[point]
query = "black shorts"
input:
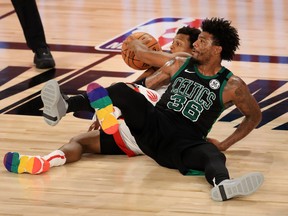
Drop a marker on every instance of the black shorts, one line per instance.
(108, 145)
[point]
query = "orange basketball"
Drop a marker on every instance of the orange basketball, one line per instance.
(129, 56)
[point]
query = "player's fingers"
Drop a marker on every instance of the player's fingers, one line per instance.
(146, 40)
(130, 38)
(94, 126)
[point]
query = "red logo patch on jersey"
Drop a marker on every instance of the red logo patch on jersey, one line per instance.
(152, 96)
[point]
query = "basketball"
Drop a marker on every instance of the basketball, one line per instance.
(129, 56)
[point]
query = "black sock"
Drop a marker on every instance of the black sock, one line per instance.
(79, 103)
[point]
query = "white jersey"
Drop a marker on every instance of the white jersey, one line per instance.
(124, 138)
(127, 138)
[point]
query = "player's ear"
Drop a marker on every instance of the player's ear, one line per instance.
(217, 50)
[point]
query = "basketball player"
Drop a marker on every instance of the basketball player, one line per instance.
(94, 141)
(174, 132)
(32, 27)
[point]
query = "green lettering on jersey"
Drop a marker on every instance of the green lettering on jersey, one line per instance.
(190, 98)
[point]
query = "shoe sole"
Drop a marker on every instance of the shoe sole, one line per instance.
(25, 164)
(100, 101)
(54, 106)
(242, 186)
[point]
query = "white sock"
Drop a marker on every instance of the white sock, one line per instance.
(55, 158)
(117, 112)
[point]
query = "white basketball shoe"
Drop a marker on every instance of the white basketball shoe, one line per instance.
(55, 106)
(242, 186)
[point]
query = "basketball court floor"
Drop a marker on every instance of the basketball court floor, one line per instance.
(85, 38)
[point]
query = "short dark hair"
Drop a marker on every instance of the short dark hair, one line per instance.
(224, 35)
(191, 31)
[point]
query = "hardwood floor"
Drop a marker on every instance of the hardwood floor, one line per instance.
(118, 185)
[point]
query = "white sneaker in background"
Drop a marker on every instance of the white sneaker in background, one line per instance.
(55, 106)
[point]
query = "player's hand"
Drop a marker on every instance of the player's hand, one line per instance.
(94, 126)
(216, 143)
(133, 43)
(145, 39)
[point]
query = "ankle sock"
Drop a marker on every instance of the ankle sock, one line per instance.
(79, 103)
(55, 158)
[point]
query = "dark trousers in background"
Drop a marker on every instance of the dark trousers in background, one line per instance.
(30, 20)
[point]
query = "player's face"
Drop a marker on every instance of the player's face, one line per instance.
(181, 43)
(203, 47)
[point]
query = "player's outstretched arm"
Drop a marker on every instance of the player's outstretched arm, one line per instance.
(151, 57)
(163, 75)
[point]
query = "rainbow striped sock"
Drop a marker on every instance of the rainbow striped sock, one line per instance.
(16, 163)
(102, 103)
